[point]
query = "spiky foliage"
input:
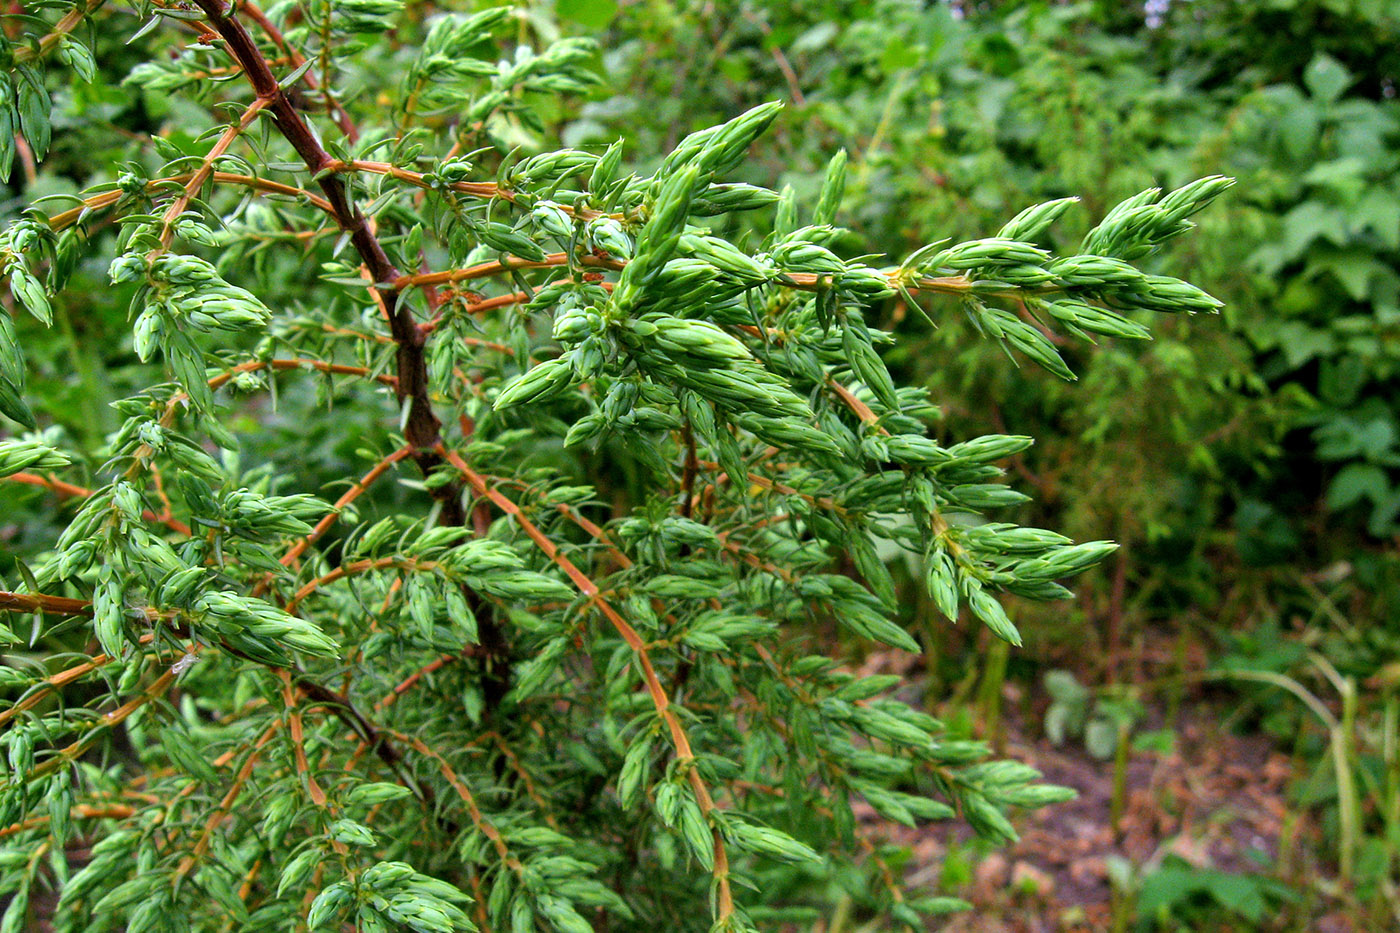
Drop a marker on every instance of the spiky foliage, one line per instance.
(575, 675)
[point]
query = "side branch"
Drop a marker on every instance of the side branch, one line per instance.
(57, 605)
(205, 170)
(70, 21)
(486, 270)
(65, 219)
(59, 680)
(333, 107)
(477, 189)
(82, 492)
(801, 281)
(350, 495)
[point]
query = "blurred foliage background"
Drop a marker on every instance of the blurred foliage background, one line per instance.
(1249, 464)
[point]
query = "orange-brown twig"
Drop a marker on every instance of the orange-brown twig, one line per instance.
(318, 796)
(765, 482)
(206, 168)
(225, 806)
(61, 679)
(107, 720)
(283, 365)
(476, 189)
(79, 812)
(486, 270)
(296, 59)
(66, 219)
(483, 825)
(349, 496)
(350, 569)
(437, 664)
(859, 408)
(81, 492)
(660, 699)
(32, 602)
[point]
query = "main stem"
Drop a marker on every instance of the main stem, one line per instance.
(422, 428)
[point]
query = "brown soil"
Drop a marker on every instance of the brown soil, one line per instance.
(1216, 800)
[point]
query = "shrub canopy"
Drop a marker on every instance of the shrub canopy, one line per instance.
(572, 670)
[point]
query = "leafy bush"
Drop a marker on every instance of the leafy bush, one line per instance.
(574, 670)
(953, 123)
(1334, 249)
(1267, 456)
(1269, 430)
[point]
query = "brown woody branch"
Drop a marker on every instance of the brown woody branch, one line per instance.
(422, 428)
(333, 107)
(370, 734)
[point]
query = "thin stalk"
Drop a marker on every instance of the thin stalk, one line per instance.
(1390, 738)
(1119, 799)
(989, 692)
(69, 21)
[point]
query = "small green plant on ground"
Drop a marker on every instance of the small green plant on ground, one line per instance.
(569, 673)
(1177, 895)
